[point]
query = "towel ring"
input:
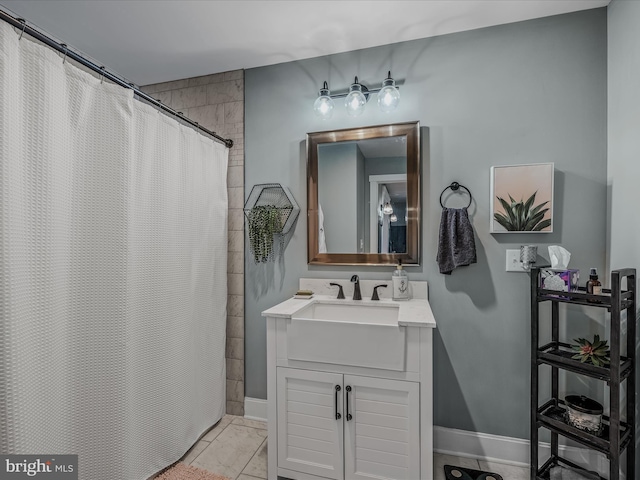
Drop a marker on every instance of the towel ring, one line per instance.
(454, 187)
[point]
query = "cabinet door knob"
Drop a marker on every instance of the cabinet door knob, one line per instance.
(337, 389)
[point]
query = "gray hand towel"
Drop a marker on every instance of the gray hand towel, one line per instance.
(456, 242)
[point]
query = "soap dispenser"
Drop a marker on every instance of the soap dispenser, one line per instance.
(400, 283)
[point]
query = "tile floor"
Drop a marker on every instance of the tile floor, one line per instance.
(237, 448)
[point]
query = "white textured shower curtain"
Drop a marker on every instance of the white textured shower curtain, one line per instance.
(113, 241)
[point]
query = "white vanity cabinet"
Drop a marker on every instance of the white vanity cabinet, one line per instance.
(347, 421)
(347, 426)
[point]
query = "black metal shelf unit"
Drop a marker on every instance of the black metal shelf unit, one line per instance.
(617, 436)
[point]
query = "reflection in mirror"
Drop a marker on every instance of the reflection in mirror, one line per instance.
(388, 213)
(363, 195)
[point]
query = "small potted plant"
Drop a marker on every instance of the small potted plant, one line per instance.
(596, 352)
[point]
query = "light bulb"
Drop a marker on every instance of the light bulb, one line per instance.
(388, 209)
(355, 100)
(323, 106)
(388, 96)
(393, 218)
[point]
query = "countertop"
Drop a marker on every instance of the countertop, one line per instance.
(412, 313)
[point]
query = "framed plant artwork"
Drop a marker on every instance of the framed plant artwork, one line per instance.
(522, 198)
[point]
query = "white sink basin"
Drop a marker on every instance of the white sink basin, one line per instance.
(355, 334)
(383, 314)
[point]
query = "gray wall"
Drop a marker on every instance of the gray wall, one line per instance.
(338, 175)
(526, 92)
(624, 141)
(360, 202)
(624, 133)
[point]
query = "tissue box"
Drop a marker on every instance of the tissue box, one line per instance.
(563, 280)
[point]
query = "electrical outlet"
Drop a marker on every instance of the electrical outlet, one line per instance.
(513, 261)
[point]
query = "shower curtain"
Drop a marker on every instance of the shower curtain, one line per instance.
(113, 241)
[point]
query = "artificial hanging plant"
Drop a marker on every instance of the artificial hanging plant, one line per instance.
(264, 221)
(522, 216)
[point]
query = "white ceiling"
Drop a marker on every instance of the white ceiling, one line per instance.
(150, 41)
(383, 147)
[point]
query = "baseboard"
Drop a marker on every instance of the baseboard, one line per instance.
(481, 446)
(255, 409)
(509, 450)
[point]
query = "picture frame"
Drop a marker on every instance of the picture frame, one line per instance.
(522, 198)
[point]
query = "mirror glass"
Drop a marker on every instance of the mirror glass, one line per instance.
(363, 195)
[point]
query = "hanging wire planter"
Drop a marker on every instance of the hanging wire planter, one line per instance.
(271, 212)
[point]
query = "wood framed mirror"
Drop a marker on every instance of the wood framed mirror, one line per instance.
(363, 195)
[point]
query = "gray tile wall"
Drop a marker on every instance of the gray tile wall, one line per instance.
(217, 103)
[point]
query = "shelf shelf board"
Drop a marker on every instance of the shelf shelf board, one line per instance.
(558, 354)
(581, 297)
(552, 416)
(577, 298)
(544, 473)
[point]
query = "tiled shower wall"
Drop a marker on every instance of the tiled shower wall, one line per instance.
(217, 102)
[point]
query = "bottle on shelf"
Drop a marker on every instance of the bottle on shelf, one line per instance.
(594, 286)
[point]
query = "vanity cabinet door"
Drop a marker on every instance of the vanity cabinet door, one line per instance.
(310, 437)
(382, 436)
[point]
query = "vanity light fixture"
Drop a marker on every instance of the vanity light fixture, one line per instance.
(393, 218)
(388, 209)
(323, 106)
(357, 97)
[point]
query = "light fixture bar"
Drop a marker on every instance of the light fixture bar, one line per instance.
(366, 92)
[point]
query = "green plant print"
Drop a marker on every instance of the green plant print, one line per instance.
(522, 216)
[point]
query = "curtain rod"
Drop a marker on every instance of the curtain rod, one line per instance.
(62, 48)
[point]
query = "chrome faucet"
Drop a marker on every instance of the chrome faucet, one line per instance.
(356, 288)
